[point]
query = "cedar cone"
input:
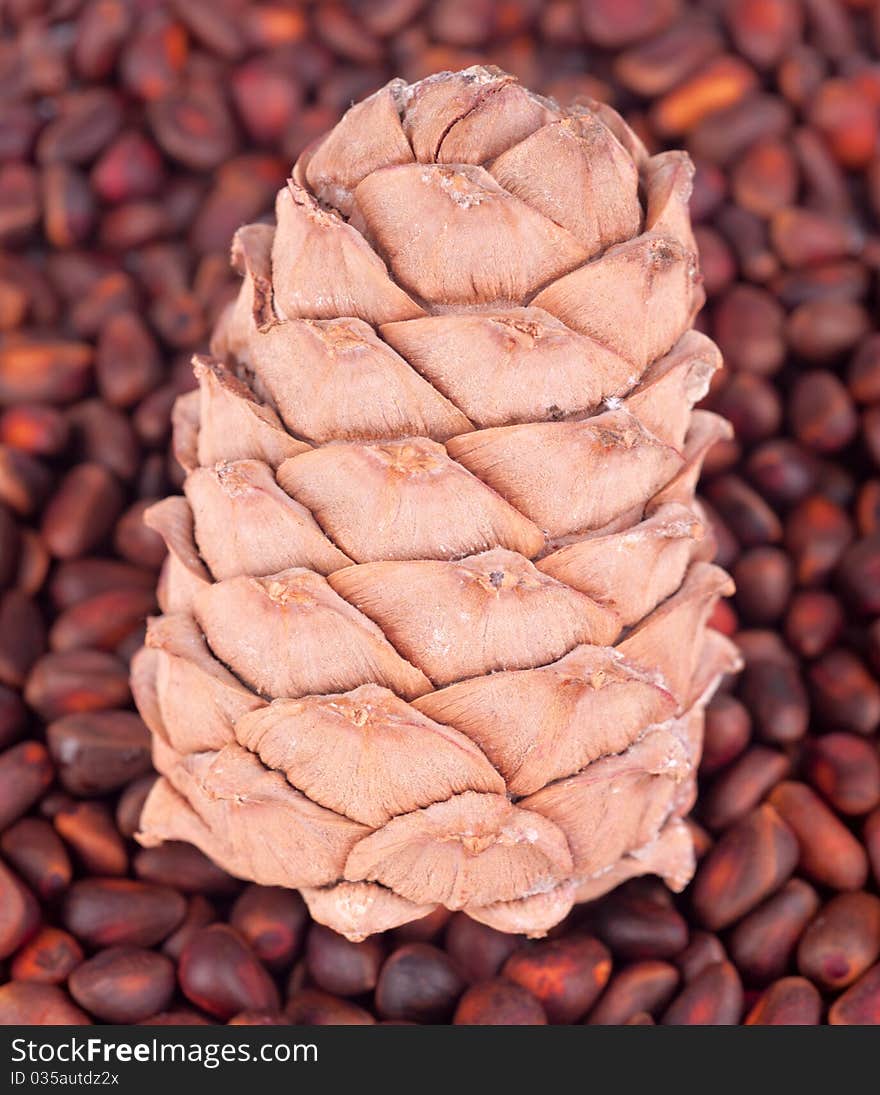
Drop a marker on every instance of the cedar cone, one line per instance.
(436, 598)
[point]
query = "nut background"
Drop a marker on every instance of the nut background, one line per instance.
(134, 138)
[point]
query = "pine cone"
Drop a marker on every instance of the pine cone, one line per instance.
(435, 601)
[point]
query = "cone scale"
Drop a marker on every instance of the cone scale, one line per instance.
(435, 606)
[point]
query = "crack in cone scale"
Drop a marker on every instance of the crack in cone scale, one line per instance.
(435, 604)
